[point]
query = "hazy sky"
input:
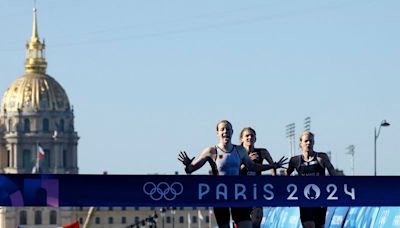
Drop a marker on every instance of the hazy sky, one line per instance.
(150, 78)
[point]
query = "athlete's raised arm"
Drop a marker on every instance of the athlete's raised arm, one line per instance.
(193, 164)
(267, 156)
(258, 167)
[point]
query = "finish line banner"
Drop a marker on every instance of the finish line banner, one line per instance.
(197, 190)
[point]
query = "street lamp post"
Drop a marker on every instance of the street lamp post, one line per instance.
(162, 213)
(384, 123)
(290, 131)
(351, 153)
(173, 212)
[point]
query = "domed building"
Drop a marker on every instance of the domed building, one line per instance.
(36, 117)
(35, 113)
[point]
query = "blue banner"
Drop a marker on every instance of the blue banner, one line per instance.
(196, 190)
(338, 217)
(388, 217)
(329, 215)
(289, 217)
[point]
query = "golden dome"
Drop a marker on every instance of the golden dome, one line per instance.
(35, 90)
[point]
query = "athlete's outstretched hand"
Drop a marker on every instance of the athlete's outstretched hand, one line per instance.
(281, 162)
(184, 158)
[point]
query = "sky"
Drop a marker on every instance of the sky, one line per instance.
(148, 79)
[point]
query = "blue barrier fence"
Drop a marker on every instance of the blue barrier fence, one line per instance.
(337, 217)
(198, 190)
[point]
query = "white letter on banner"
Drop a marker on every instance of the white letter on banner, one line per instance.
(266, 190)
(351, 193)
(239, 191)
(223, 192)
(203, 189)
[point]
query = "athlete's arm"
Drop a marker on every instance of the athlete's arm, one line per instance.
(252, 166)
(291, 166)
(327, 164)
(246, 160)
(193, 164)
(267, 156)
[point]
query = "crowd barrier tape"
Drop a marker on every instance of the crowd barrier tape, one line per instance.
(346, 217)
(197, 190)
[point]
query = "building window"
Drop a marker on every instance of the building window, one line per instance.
(123, 220)
(9, 158)
(207, 219)
(27, 160)
(123, 208)
(10, 127)
(53, 217)
(65, 159)
(27, 125)
(62, 125)
(168, 219)
(81, 220)
(38, 217)
(110, 220)
(137, 219)
(22, 218)
(181, 219)
(46, 125)
(110, 208)
(97, 220)
(194, 219)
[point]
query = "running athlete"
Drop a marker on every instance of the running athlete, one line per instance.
(311, 163)
(226, 159)
(258, 155)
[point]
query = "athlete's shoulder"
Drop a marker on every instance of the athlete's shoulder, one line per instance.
(210, 150)
(240, 150)
(322, 155)
(296, 157)
(263, 152)
(295, 160)
(239, 147)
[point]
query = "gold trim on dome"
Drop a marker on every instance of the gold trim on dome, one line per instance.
(35, 92)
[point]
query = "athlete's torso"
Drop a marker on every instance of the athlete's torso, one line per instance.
(228, 163)
(311, 167)
(245, 171)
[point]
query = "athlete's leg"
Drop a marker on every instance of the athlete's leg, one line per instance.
(321, 217)
(222, 216)
(256, 216)
(307, 216)
(308, 224)
(241, 216)
(245, 224)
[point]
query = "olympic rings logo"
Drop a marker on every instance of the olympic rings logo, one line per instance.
(163, 190)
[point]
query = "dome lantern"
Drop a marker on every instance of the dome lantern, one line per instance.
(35, 51)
